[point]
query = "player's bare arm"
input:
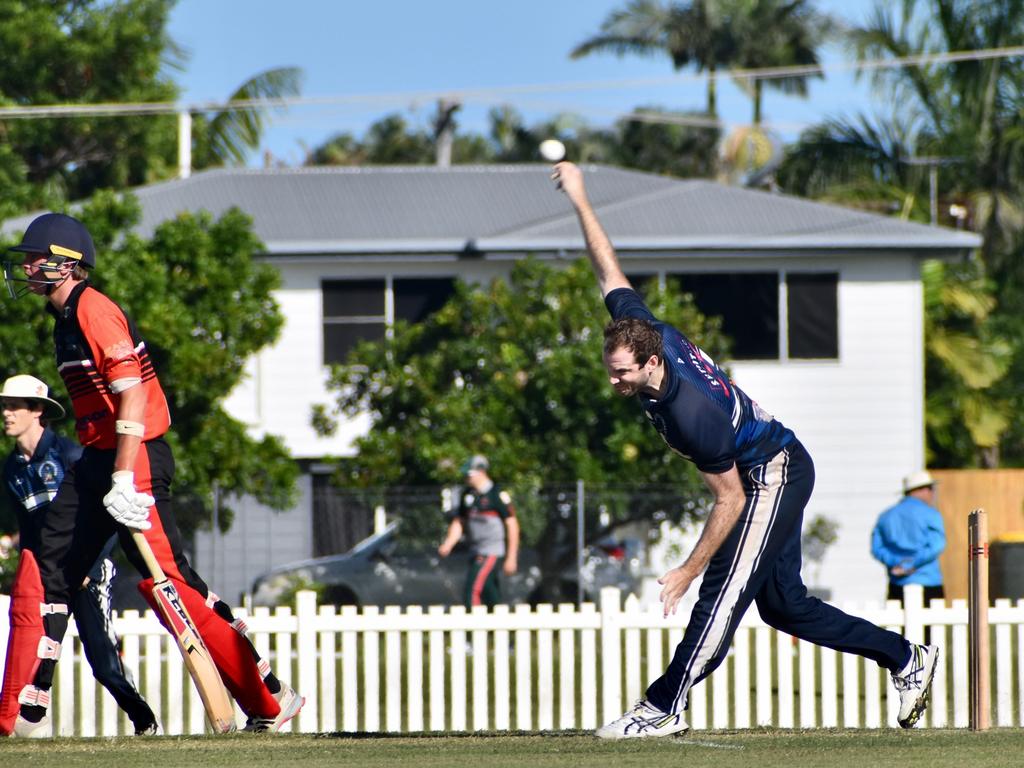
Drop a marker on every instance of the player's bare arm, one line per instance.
(569, 179)
(512, 553)
(451, 538)
(729, 501)
(131, 409)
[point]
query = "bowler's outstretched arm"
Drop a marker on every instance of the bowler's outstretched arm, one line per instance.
(609, 274)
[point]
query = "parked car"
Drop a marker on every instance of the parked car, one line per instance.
(384, 569)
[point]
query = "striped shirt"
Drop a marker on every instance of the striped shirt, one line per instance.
(97, 345)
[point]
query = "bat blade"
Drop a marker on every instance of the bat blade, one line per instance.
(220, 709)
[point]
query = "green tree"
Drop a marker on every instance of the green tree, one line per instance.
(688, 33)
(105, 52)
(204, 307)
(513, 369)
(710, 34)
(226, 137)
(663, 145)
(87, 51)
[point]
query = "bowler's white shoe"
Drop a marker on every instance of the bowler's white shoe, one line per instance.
(26, 729)
(914, 683)
(643, 721)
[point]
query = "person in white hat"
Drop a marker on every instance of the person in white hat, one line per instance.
(909, 537)
(32, 474)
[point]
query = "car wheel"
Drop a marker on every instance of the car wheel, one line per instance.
(340, 596)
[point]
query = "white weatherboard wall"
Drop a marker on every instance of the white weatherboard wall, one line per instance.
(259, 539)
(861, 416)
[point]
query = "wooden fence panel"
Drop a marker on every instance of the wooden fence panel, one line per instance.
(1000, 492)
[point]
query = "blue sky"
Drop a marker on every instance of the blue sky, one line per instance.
(395, 54)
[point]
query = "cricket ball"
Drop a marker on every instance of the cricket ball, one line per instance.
(552, 150)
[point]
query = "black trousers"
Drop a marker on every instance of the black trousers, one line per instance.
(91, 607)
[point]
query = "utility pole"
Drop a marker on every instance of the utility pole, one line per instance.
(184, 144)
(444, 131)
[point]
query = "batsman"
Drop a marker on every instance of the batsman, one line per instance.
(121, 484)
(761, 479)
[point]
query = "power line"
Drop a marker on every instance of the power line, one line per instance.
(492, 94)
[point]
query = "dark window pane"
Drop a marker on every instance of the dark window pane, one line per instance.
(339, 338)
(415, 299)
(747, 302)
(813, 315)
(350, 298)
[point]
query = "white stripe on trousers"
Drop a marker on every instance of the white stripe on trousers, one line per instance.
(761, 515)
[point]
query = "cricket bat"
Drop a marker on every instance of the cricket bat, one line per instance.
(220, 709)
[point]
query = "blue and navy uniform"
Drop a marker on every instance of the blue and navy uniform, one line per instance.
(32, 484)
(912, 534)
(703, 416)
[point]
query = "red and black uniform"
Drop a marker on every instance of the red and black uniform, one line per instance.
(97, 346)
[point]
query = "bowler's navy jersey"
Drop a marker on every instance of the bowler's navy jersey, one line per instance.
(702, 416)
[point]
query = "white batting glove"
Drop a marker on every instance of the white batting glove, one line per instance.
(125, 504)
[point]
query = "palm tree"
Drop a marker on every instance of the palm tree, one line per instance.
(688, 33)
(775, 33)
(710, 34)
(225, 137)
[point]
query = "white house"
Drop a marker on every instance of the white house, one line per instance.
(824, 303)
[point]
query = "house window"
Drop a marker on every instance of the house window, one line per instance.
(417, 298)
(364, 309)
(353, 312)
(812, 309)
(747, 302)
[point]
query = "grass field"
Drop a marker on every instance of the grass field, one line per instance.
(721, 749)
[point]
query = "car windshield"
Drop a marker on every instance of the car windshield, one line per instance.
(375, 540)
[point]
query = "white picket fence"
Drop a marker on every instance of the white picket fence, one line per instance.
(545, 668)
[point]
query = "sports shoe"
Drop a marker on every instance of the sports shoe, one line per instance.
(290, 703)
(914, 683)
(643, 721)
(153, 729)
(26, 729)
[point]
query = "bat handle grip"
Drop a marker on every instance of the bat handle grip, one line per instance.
(148, 557)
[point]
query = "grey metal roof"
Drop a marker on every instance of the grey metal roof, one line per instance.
(515, 208)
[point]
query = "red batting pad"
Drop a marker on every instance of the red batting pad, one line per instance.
(231, 651)
(23, 643)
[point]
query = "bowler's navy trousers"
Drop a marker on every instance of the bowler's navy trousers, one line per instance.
(760, 562)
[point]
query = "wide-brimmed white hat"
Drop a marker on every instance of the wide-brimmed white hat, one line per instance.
(919, 479)
(28, 387)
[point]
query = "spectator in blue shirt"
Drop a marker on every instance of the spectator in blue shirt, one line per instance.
(909, 537)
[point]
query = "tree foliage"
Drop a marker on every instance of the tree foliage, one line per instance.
(87, 51)
(513, 370)
(711, 34)
(106, 52)
(655, 139)
(204, 306)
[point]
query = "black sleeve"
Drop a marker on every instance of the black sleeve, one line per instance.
(625, 302)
